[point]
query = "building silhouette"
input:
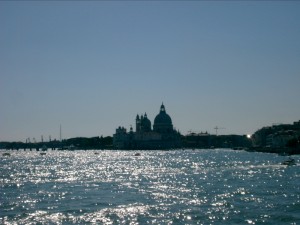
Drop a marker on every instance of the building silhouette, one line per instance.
(162, 136)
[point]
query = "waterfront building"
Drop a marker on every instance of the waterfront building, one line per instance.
(281, 138)
(162, 136)
(277, 135)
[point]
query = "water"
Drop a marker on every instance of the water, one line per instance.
(158, 187)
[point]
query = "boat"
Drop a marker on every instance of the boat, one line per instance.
(6, 154)
(289, 162)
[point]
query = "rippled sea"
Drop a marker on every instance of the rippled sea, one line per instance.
(158, 187)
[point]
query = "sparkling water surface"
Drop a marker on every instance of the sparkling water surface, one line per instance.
(159, 187)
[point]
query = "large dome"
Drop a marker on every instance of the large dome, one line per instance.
(163, 118)
(163, 121)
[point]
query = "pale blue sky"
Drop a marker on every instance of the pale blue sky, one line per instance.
(92, 66)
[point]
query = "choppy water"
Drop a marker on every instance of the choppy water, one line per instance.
(158, 187)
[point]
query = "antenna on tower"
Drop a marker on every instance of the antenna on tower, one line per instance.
(60, 132)
(218, 128)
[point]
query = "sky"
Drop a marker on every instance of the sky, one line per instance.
(91, 66)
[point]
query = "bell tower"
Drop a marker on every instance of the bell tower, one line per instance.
(137, 123)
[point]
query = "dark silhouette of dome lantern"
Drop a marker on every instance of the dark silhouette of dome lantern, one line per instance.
(163, 122)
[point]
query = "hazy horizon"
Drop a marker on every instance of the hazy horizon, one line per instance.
(93, 66)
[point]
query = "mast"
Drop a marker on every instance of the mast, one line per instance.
(60, 132)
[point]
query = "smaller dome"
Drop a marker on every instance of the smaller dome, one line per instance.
(145, 123)
(146, 120)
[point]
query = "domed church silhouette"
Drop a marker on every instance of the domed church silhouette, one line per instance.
(162, 136)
